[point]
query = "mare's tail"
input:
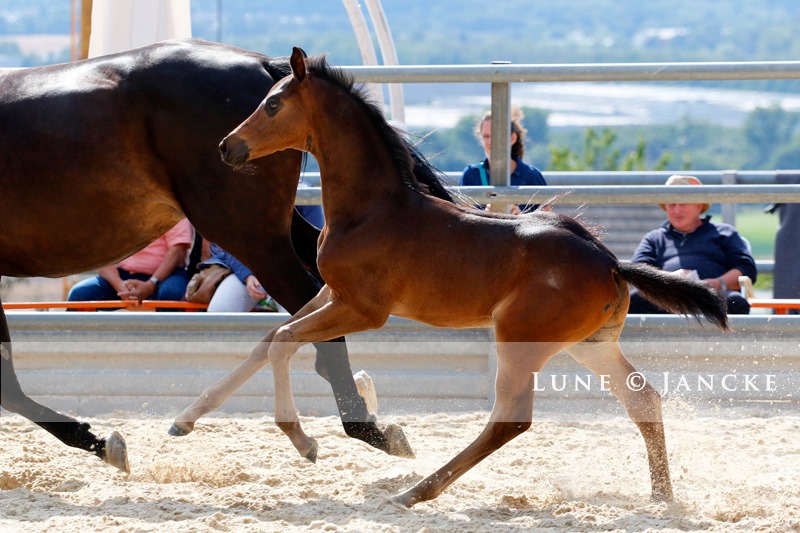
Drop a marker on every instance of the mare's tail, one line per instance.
(676, 294)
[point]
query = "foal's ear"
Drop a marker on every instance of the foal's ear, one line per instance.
(298, 63)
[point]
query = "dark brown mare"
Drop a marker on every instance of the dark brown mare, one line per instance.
(100, 157)
(543, 281)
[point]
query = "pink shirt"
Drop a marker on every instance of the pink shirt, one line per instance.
(147, 261)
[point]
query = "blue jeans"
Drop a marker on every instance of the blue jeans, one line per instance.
(96, 288)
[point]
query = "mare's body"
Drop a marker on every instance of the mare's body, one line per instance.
(542, 280)
(100, 157)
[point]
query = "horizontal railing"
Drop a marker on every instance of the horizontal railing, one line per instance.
(596, 72)
(615, 194)
(502, 74)
(638, 177)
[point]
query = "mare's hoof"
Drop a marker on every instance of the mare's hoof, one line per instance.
(366, 389)
(116, 452)
(311, 454)
(398, 443)
(181, 429)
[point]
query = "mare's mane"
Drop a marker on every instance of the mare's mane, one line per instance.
(414, 168)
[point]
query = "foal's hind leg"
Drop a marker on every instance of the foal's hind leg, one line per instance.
(511, 416)
(111, 449)
(602, 355)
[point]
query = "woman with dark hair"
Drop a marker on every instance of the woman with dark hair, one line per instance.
(521, 173)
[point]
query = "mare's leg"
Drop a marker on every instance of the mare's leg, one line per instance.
(603, 356)
(511, 416)
(333, 364)
(111, 449)
(333, 318)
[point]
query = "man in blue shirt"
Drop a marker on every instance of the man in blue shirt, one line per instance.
(693, 245)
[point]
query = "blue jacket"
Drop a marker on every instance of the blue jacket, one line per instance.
(312, 213)
(524, 174)
(221, 257)
(712, 249)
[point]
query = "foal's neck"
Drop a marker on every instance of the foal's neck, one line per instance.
(356, 164)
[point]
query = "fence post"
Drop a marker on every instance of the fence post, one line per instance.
(729, 177)
(500, 153)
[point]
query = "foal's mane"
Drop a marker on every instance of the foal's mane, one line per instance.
(415, 170)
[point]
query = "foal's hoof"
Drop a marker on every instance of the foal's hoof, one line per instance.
(406, 499)
(398, 443)
(181, 429)
(311, 454)
(662, 496)
(116, 452)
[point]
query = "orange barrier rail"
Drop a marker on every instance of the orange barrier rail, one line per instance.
(130, 305)
(780, 305)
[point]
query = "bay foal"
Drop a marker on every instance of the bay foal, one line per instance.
(542, 280)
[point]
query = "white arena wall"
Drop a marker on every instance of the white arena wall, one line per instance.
(90, 364)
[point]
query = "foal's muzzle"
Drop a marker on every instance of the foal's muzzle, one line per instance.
(234, 151)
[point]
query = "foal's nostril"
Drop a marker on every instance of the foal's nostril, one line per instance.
(223, 149)
(234, 151)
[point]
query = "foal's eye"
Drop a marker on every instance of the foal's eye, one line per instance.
(271, 106)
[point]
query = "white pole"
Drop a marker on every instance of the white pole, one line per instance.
(368, 55)
(389, 56)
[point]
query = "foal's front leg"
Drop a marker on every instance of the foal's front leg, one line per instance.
(334, 318)
(215, 395)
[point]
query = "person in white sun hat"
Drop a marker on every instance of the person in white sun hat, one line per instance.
(690, 244)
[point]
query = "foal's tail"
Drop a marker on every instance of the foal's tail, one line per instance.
(677, 294)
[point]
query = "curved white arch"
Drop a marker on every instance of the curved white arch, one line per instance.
(368, 55)
(389, 56)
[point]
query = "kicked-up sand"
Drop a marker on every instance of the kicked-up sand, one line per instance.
(732, 471)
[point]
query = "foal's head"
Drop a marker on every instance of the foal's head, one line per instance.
(284, 119)
(275, 124)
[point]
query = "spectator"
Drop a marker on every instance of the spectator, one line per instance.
(521, 173)
(787, 251)
(693, 245)
(241, 291)
(155, 273)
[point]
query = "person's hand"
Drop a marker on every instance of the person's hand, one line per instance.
(133, 289)
(254, 288)
(689, 273)
(515, 210)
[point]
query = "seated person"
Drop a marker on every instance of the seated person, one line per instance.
(693, 245)
(155, 273)
(240, 291)
(521, 172)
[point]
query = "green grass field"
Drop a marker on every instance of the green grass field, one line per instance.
(759, 228)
